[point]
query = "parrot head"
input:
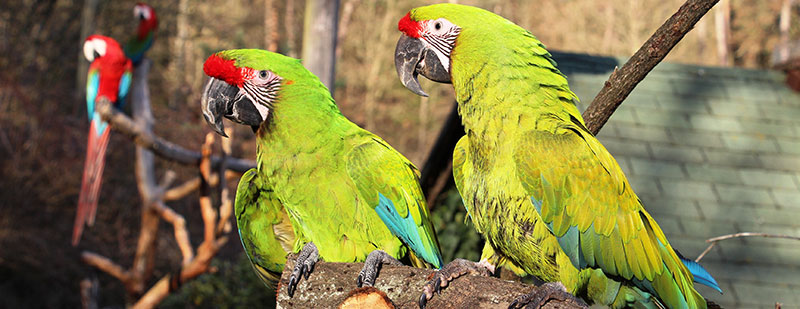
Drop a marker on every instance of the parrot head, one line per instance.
(245, 85)
(148, 21)
(107, 57)
(433, 34)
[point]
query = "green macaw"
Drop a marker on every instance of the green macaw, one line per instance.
(542, 190)
(349, 195)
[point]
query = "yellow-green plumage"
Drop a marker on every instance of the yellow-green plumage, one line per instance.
(264, 227)
(340, 185)
(542, 189)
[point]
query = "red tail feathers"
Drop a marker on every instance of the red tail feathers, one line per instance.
(92, 178)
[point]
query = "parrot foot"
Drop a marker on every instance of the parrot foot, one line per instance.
(372, 265)
(303, 266)
(545, 293)
(451, 271)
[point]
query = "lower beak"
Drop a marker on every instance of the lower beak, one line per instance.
(411, 58)
(217, 96)
(222, 100)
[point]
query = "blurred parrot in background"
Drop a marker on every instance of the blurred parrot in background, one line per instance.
(350, 196)
(542, 190)
(109, 79)
(145, 33)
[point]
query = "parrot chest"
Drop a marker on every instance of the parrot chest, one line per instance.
(503, 213)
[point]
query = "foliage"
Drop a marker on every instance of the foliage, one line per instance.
(457, 236)
(234, 285)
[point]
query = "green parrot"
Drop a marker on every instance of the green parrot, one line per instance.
(349, 196)
(547, 196)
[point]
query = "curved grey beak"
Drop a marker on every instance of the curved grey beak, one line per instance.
(221, 100)
(411, 58)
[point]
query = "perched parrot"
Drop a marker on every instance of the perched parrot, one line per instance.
(348, 194)
(547, 196)
(145, 34)
(264, 227)
(109, 79)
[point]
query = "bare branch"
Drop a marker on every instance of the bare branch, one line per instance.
(622, 81)
(713, 241)
(158, 145)
(178, 192)
(181, 235)
(103, 263)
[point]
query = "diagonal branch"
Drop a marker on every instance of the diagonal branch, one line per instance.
(621, 82)
(158, 145)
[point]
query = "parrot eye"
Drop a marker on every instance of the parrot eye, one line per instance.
(262, 74)
(438, 25)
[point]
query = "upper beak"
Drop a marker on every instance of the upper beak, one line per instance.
(412, 57)
(221, 99)
(217, 95)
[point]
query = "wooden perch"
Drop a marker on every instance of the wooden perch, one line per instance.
(621, 82)
(158, 145)
(331, 283)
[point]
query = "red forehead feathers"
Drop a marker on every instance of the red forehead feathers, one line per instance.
(409, 27)
(220, 68)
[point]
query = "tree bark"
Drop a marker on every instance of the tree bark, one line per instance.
(330, 283)
(622, 81)
(319, 39)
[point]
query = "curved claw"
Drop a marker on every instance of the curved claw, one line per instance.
(304, 265)
(423, 300)
(451, 271)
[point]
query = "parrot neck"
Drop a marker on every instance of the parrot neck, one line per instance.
(302, 125)
(506, 97)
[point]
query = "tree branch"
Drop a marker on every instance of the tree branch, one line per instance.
(713, 241)
(103, 263)
(330, 283)
(158, 145)
(621, 82)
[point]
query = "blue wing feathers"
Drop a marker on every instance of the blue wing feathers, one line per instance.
(700, 274)
(406, 229)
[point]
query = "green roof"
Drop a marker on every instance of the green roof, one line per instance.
(712, 151)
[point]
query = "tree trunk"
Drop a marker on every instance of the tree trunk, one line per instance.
(319, 39)
(723, 28)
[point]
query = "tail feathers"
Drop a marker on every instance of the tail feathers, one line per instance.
(92, 178)
(700, 274)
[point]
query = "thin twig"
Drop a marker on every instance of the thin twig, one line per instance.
(105, 264)
(713, 241)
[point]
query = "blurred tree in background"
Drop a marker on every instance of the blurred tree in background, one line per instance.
(42, 123)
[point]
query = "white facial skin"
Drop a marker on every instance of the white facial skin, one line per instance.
(440, 35)
(94, 45)
(141, 10)
(262, 90)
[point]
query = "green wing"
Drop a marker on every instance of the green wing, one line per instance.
(582, 194)
(264, 227)
(389, 183)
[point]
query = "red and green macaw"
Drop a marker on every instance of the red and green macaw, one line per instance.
(145, 34)
(348, 195)
(109, 79)
(550, 200)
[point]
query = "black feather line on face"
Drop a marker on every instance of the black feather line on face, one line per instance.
(263, 92)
